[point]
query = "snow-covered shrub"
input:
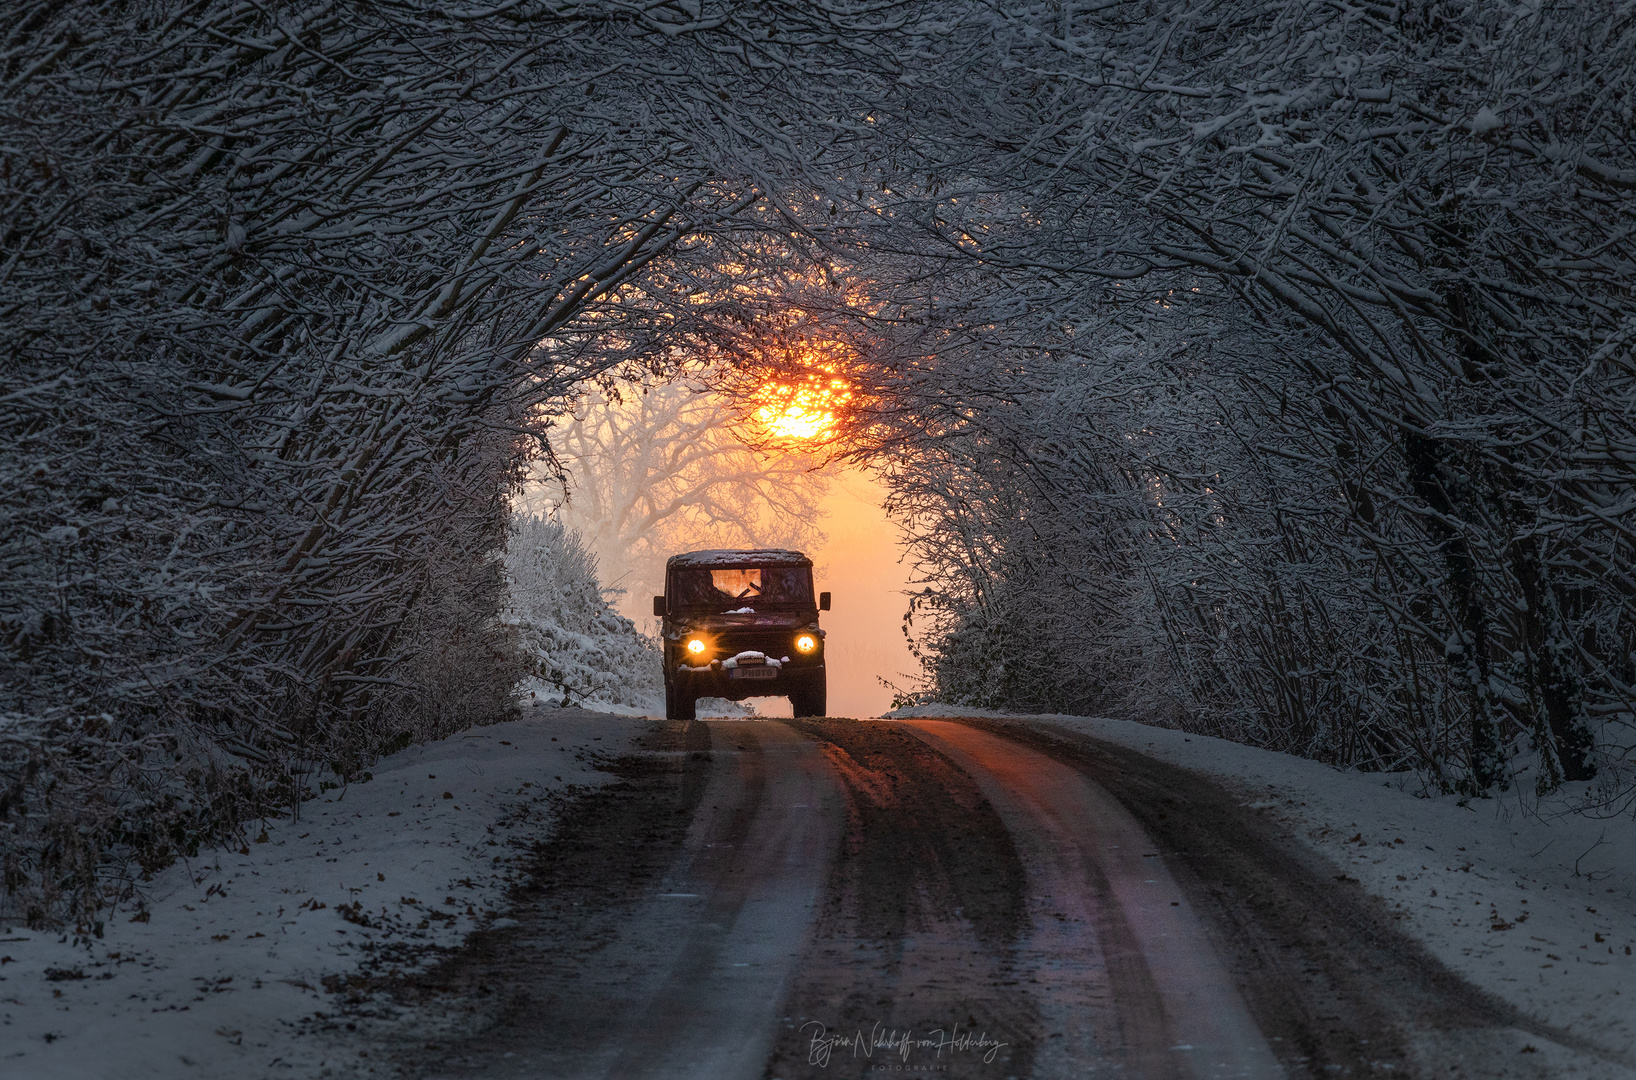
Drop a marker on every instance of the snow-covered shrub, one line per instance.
(579, 650)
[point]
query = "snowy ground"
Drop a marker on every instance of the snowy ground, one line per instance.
(226, 976)
(1539, 908)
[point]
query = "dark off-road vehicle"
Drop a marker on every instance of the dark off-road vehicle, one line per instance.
(741, 624)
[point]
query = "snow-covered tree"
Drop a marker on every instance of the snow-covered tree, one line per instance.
(1419, 217)
(1272, 355)
(281, 292)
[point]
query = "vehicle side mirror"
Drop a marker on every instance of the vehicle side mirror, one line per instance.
(823, 601)
(659, 606)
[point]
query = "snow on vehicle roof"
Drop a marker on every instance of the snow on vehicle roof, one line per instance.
(721, 557)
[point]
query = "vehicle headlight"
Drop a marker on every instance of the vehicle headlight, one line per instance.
(806, 643)
(695, 646)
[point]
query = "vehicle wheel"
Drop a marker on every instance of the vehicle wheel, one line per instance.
(678, 706)
(810, 702)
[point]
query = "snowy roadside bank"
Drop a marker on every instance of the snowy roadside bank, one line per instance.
(1539, 909)
(227, 974)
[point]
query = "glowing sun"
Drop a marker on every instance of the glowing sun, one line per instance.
(807, 410)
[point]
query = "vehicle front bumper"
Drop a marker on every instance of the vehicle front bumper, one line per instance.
(718, 680)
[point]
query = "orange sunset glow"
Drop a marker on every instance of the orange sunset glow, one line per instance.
(807, 410)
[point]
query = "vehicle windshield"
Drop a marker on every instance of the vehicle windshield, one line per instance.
(732, 588)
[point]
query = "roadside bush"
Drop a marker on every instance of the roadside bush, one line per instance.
(579, 650)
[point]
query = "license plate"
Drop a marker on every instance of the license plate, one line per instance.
(757, 672)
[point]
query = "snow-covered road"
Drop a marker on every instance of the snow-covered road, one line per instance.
(1121, 958)
(1521, 899)
(707, 893)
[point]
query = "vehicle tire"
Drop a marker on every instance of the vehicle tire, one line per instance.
(813, 701)
(678, 706)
